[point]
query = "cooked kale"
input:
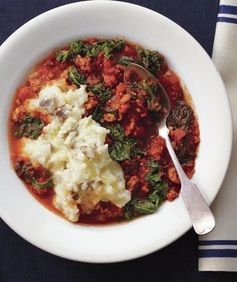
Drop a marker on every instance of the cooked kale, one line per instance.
(153, 176)
(91, 50)
(101, 91)
(105, 46)
(75, 77)
(97, 114)
(155, 180)
(76, 48)
(42, 185)
(63, 55)
(152, 98)
(156, 197)
(30, 127)
(151, 60)
(138, 207)
(122, 150)
(27, 173)
(104, 94)
(24, 170)
(126, 60)
(117, 132)
(123, 147)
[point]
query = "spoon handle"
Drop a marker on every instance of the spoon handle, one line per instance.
(200, 214)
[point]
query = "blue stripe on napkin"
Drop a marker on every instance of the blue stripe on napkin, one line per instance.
(228, 252)
(217, 242)
(228, 9)
(218, 253)
(227, 20)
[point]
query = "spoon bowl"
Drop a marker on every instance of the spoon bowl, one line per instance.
(144, 75)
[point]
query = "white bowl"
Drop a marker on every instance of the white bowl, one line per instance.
(118, 242)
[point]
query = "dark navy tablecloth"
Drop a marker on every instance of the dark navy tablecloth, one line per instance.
(20, 261)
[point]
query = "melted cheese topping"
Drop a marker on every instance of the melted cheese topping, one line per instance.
(73, 149)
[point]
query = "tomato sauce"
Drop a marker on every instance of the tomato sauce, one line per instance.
(127, 105)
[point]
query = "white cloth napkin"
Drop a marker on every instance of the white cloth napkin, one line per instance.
(218, 250)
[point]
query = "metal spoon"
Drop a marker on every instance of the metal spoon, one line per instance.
(200, 214)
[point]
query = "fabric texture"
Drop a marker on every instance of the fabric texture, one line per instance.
(218, 249)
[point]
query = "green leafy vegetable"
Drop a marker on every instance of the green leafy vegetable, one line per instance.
(42, 185)
(76, 48)
(117, 132)
(152, 99)
(63, 55)
(157, 196)
(110, 46)
(154, 179)
(30, 127)
(138, 207)
(122, 150)
(26, 172)
(126, 60)
(97, 114)
(128, 211)
(105, 46)
(154, 165)
(104, 94)
(123, 147)
(76, 77)
(91, 50)
(101, 91)
(153, 176)
(151, 60)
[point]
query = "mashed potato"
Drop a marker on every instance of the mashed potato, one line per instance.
(73, 149)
